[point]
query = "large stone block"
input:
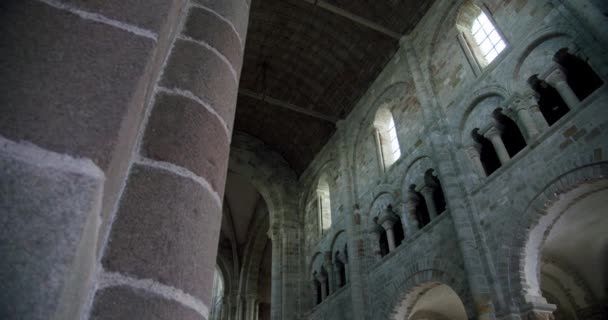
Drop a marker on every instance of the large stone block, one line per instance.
(199, 70)
(166, 230)
(185, 133)
(50, 206)
(146, 14)
(235, 11)
(124, 303)
(205, 26)
(67, 82)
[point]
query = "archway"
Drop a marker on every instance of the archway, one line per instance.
(567, 252)
(431, 300)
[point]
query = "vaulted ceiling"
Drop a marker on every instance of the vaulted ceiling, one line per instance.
(307, 62)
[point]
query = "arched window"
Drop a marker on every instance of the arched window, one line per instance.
(579, 75)
(510, 134)
(388, 141)
(550, 103)
(487, 153)
(324, 203)
(479, 35)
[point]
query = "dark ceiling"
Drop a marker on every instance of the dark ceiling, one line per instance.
(307, 64)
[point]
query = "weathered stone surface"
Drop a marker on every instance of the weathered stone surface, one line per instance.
(205, 26)
(125, 303)
(67, 82)
(165, 230)
(46, 201)
(183, 132)
(195, 68)
(146, 14)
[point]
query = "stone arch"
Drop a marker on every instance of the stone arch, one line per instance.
(540, 62)
(523, 284)
(474, 102)
(417, 277)
(268, 172)
(415, 172)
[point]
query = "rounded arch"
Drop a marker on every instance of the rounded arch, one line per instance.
(535, 40)
(415, 173)
(476, 100)
(338, 242)
(419, 276)
(268, 172)
(537, 220)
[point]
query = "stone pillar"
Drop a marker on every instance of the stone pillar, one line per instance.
(276, 278)
(376, 233)
(88, 107)
(493, 134)
(356, 235)
(314, 296)
(473, 153)
(522, 108)
(251, 306)
(290, 267)
(390, 236)
(73, 92)
(408, 213)
(557, 79)
(427, 193)
(329, 267)
(324, 290)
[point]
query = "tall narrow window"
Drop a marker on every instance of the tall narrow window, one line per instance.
(481, 41)
(324, 200)
(388, 141)
(489, 42)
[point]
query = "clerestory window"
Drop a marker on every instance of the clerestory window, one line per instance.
(489, 42)
(387, 139)
(479, 38)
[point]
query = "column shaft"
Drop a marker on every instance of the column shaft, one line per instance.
(427, 194)
(494, 135)
(558, 80)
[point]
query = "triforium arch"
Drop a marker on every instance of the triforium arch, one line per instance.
(419, 277)
(542, 214)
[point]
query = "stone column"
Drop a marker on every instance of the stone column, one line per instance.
(290, 267)
(557, 79)
(427, 193)
(522, 108)
(276, 278)
(251, 304)
(473, 153)
(165, 234)
(390, 236)
(329, 267)
(356, 235)
(408, 213)
(376, 233)
(73, 94)
(493, 134)
(324, 290)
(314, 292)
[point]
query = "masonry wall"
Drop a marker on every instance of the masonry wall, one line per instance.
(437, 96)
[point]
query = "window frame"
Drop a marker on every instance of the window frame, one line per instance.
(388, 146)
(469, 45)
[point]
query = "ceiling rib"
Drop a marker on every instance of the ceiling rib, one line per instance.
(355, 18)
(287, 105)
